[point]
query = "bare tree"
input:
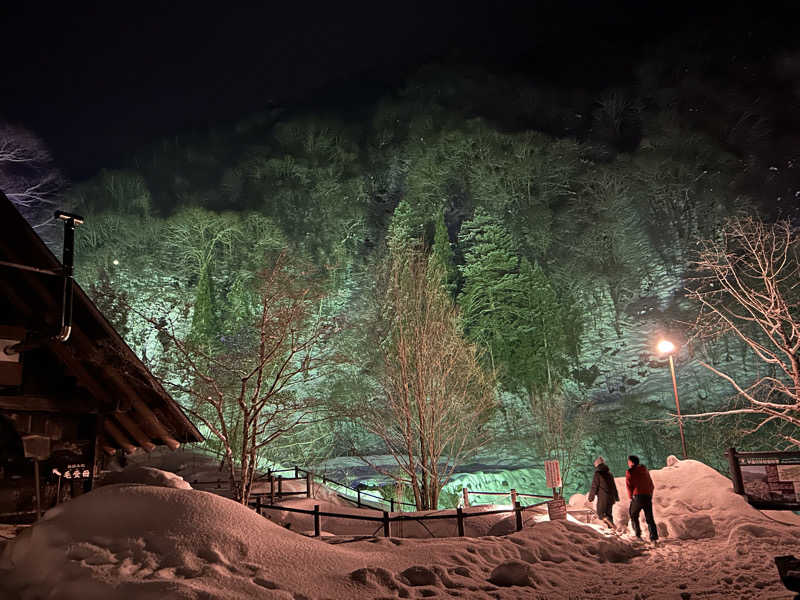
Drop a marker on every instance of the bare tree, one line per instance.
(434, 396)
(250, 392)
(560, 426)
(27, 175)
(747, 285)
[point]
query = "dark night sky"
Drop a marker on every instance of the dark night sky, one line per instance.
(99, 81)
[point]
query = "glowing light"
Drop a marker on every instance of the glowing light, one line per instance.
(115, 261)
(666, 347)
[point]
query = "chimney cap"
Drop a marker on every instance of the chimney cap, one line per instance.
(65, 216)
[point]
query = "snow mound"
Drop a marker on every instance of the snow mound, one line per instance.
(146, 476)
(146, 542)
(691, 501)
(512, 572)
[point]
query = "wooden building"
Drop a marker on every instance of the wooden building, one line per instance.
(72, 393)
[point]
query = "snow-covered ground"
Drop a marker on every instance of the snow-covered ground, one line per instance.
(147, 541)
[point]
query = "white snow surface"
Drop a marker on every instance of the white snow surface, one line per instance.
(155, 542)
(145, 476)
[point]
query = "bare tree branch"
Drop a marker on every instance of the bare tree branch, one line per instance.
(747, 285)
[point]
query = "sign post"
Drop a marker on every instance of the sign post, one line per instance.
(557, 507)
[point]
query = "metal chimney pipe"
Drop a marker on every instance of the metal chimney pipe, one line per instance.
(70, 223)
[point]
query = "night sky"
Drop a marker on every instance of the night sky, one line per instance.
(98, 82)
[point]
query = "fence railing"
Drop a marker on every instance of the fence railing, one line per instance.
(513, 494)
(362, 499)
(386, 519)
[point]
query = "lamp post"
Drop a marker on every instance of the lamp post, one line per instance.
(668, 348)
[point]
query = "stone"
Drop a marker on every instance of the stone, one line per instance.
(512, 572)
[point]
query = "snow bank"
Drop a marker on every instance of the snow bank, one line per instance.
(132, 542)
(691, 501)
(143, 542)
(146, 476)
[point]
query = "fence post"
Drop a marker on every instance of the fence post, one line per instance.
(258, 504)
(391, 504)
(358, 498)
(308, 484)
(296, 473)
(513, 497)
(518, 511)
(271, 489)
(466, 496)
(460, 516)
(736, 471)
(280, 486)
(387, 531)
(316, 520)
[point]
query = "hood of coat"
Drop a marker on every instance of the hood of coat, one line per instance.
(601, 468)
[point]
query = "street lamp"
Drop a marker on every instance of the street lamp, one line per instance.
(668, 348)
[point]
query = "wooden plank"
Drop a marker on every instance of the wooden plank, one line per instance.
(54, 404)
(130, 427)
(118, 436)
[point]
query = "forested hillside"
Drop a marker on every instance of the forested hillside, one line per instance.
(563, 222)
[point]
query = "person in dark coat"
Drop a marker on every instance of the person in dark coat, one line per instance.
(604, 487)
(640, 491)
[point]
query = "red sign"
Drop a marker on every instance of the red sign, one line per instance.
(552, 473)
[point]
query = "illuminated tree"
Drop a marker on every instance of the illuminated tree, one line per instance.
(442, 253)
(746, 285)
(434, 397)
(260, 386)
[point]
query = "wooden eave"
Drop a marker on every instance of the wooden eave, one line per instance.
(138, 412)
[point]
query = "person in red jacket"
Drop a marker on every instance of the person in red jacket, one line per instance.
(640, 491)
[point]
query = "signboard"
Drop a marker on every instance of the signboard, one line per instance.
(36, 446)
(769, 480)
(552, 473)
(557, 509)
(10, 365)
(77, 471)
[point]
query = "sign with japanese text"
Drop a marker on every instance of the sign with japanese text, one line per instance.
(552, 473)
(77, 471)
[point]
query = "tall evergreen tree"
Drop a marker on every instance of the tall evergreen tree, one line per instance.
(205, 325)
(511, 307)
(490, 273)
(443, 256)
(405, 228)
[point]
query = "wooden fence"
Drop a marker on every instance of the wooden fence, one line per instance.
(362, 499)
(513, 494)
(276, 481)
(265, 500)
(386, 519)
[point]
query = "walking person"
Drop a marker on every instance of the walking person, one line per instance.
(640, 491)
(604, 487)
